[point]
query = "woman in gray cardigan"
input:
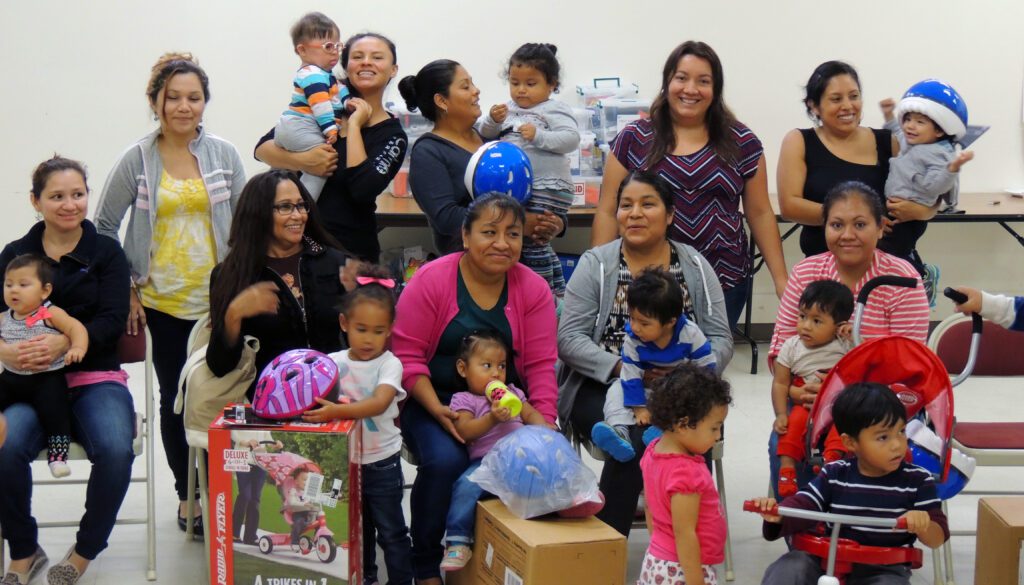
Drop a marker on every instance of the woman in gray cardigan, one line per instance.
(594, 316)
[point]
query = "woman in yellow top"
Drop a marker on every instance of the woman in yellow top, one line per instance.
(179, 185)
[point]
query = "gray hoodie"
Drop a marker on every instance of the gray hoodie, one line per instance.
(588, 303)
(133, 182)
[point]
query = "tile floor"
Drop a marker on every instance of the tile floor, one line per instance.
(746, 473)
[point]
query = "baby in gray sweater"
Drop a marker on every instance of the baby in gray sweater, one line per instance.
(928, 121)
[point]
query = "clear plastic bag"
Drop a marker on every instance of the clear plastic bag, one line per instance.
(535, 471)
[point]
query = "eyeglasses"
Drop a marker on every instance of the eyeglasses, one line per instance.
(288, 208)
(330, 46)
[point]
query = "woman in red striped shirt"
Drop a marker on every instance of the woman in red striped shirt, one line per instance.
(853, 226)
(852, 212)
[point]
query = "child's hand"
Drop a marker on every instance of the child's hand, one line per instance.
(781, 423)
(502, 413)
(331, 138)
(529, 132)
(74, 355)
(960, 160)
(764, 504)
(499, 112)
(888, 106)
(918, 521)
(327, 411)
(844, 331)
(973, 302)
(643, 416)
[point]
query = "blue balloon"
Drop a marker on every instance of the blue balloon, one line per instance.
(500, 167)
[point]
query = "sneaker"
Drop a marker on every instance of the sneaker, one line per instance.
(455, 557)
(613, 441)
(931, 282)
(59, 469)
(650, 434)
(787, 482)
(39, 562)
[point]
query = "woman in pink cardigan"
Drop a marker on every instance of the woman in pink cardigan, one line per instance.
(484, 287)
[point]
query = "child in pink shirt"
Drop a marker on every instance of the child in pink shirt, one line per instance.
(683, 513)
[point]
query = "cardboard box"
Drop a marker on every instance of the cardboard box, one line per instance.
(1000, 532)
(549, 551)
(297, 465)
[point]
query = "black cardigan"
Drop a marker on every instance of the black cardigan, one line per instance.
(290, 328)
(92, 284)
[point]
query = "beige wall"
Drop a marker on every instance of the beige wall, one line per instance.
(75, 74)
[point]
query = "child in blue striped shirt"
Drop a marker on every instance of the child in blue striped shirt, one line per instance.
(317, 97)
(658, 335)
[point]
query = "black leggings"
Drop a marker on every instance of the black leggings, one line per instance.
(170, 336)
(46, 393)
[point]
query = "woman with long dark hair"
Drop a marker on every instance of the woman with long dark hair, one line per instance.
(281, 281)
(369, 151)
(713, 162)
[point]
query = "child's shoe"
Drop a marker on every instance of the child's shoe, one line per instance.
(455, 557)
(650, 434)
(787, 482)
(59, 469)
(613, 441)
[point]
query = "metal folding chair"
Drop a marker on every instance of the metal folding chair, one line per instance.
(130, 349)
(999, 444)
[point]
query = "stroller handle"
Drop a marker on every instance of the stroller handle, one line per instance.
(977, 324)
(865, 292)
(897, 523)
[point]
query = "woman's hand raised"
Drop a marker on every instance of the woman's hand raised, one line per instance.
(256, 299)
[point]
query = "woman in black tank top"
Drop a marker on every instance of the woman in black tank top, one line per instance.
(808, 169)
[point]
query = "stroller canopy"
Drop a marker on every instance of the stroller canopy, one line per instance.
(907, 366)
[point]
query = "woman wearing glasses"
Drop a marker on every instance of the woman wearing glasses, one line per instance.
(369, 150)
(179, 185)
(280, 281)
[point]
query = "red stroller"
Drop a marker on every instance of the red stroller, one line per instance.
(921, 382)
(317, 536)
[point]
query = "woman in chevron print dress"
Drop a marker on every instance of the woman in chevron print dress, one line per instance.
(713, 164)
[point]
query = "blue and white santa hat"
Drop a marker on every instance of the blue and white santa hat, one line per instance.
(940, 102)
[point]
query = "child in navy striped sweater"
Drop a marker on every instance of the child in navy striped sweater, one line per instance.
(658, 335)
(877, 482)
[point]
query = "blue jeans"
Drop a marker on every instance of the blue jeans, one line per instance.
(442, 460)
(103, 422)
(462, 512)
(384, 522)
(735, 302)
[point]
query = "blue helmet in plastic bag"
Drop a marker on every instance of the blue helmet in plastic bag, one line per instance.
(500, 167)
(925, 447)
(940, 102)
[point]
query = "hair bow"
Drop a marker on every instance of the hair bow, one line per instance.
(40, 314)
(385, 282)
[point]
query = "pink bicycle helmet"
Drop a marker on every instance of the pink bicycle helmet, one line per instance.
(291, 383)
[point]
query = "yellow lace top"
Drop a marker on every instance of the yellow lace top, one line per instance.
(183, 252)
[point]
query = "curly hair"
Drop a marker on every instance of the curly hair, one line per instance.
(686, 395)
